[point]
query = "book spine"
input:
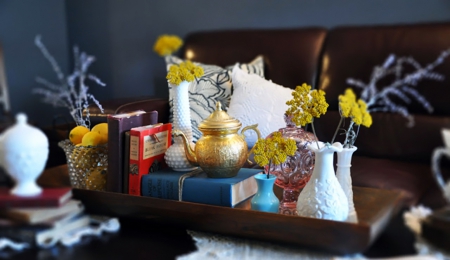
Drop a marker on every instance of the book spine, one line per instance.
(148, 145)
(116, 134)
(157, 186)
(126, 162)
(136, 166)
(212, 194)
(165, 186)
(41, 203)
(114, 149)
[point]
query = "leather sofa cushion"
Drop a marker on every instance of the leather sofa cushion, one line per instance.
(412, 179)
(291, 56)
(352, 52)
(389, 138)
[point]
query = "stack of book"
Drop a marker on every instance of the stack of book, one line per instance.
(40, 220)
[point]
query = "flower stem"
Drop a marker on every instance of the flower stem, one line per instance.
(337, 129)
(314, 131)
(350, 129)
(268, 170)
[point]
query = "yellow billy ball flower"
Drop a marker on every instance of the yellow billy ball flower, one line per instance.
(274, 149)
(185, 71)
(167, 44)
(318, 105)
(366, 117)
(346, 102)
(306, 104)
(356, 115)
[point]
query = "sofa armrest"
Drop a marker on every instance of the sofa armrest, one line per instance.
(159, 104)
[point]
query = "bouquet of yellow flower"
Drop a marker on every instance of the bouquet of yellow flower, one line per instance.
(185, 71)
(358, 114)
(307, 104)
(273, 150)
(167, 44)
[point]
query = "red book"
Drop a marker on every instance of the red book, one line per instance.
(148, 144)
(50, 197)
(117, 126)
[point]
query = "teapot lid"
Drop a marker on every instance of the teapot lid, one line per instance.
(219, 119)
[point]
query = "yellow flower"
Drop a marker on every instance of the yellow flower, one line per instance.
(185, 71)
(346, 102)
(167, 44)
(356, 110)
(356, 115)
(306, 104)
(366, 117)
(274, 149)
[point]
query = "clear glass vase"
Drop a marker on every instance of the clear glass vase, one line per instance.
(293, 174)
(87, 165)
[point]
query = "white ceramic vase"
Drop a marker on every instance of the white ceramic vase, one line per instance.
(23, 155)
(175, 156)
(323, 196)
(344, 159)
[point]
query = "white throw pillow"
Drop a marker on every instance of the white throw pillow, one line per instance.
(258, 101)
(215, 85)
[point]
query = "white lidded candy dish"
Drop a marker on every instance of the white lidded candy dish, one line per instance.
(23, 155)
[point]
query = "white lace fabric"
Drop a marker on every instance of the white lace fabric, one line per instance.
(98, 226)
(220, 247)
(214, 246)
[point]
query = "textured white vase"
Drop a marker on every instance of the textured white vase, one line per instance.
(344, 159)
(175, 156)
(323, 196)
(23, 155)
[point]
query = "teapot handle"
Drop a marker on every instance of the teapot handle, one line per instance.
(435, 166)
(258, 133)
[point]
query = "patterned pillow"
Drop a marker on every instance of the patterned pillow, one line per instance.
(258, 101)
(215, 85)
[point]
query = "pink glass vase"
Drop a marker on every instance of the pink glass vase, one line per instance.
(293, 174)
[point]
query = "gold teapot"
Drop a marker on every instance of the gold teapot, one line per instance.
(221, 151)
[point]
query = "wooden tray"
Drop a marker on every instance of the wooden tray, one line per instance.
(374, 208)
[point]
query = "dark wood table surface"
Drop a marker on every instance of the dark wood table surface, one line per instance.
(144, 239)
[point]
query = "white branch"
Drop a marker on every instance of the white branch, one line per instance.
(72, 92)
(403, 87)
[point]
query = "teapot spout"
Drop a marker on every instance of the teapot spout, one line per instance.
(190, 153)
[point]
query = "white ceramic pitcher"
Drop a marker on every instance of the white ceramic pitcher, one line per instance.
(435, 164)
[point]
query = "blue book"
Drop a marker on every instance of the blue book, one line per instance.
(226, 192)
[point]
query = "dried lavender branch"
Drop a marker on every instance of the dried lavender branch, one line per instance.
(72, 92)
(402, 87)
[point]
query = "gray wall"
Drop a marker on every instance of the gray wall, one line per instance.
(20, 22)
(121, 34)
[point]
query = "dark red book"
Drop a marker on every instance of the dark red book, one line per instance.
(117, 126)
(50, 197)
(148, 145)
